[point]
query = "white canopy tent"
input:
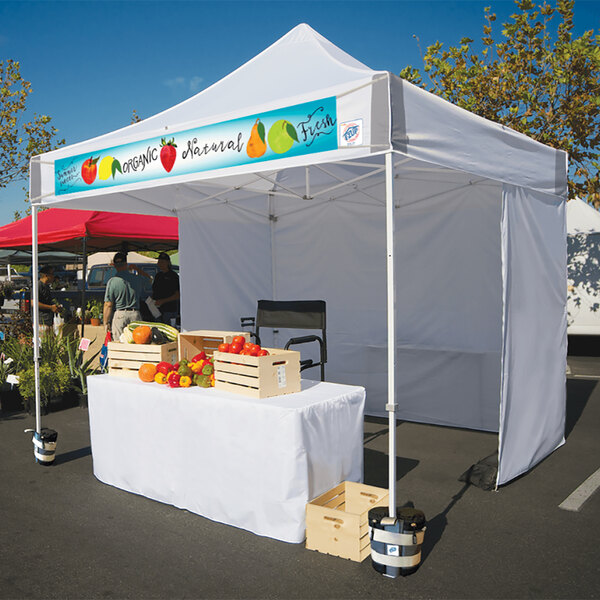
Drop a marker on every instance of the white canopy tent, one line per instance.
(436, 237)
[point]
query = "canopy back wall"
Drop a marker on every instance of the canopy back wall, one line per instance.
(448, 278)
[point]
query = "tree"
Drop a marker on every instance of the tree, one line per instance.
(538, 80)
(20, 139)
(135, 118)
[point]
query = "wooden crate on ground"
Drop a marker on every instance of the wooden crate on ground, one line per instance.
(124, 360)
(205, 340)
(337, 521)
(258, 376)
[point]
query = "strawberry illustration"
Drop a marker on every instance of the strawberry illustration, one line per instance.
(168, 154)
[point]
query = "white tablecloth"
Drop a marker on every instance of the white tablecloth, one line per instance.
(249, 463)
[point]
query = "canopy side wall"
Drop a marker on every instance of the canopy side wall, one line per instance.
(449, 299)
(534, 361)
(426, 127)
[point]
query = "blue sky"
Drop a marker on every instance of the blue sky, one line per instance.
(92, 63)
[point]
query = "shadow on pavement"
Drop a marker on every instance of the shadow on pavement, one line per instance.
(376, 467)
(578, 394)
(11, 416)
(437, 525)
(73, 455)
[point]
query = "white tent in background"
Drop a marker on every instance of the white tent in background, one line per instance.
(582, 218)
(583, 228)
(436, 237)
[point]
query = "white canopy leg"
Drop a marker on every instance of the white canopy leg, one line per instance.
(36, 315)
(391, 323)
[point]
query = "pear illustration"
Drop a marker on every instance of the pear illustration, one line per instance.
(256, 144)
(282, 136)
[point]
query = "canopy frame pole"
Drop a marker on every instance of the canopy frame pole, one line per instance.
(36, 315)
(84, 279)
(391, 323)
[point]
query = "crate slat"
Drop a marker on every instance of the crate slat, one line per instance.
(237, 389)
(258, 376)
(337, 521)
(191, 343)
(246, 380)
(130, 357)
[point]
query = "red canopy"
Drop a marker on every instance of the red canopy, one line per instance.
(65, 229)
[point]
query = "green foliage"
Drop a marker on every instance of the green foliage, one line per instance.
(20, 350)
(20, 138)
(55, 380)
(20, 327)
(6, 369)
(538, 79)
(79, 368)
(95, 308)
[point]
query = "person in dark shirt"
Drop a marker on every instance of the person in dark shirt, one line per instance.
(165, 290)
(47, 305)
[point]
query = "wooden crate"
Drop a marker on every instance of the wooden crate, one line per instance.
(337, 521)
(194, 342)
(124, 360)
(258, 376)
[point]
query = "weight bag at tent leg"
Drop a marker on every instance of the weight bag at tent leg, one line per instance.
(44, 445)
(396, 542)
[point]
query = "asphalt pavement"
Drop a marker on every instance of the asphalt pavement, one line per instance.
(63, 534)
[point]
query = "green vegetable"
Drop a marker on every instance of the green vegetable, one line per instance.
(184, 370)
(202, 380)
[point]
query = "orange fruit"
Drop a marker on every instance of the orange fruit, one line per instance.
(147, 372)
(142, 334)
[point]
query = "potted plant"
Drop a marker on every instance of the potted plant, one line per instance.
(79, 367)
(55, 380)
(6, 291)
(55, 376)
(94, 309)
(9, 395)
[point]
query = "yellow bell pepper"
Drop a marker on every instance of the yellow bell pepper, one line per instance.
(160, 378)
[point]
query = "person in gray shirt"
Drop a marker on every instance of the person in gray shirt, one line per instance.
(122, 298)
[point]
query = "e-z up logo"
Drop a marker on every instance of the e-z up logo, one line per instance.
(351, 133)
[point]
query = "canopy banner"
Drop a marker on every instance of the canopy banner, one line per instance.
(292, 131)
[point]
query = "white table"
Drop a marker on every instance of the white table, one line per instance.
(249, 463)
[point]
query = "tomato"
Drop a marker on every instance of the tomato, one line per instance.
(235, 348)
(239, 339)
(254, 349)
(262, 352)
(223, 347)
(248, 345)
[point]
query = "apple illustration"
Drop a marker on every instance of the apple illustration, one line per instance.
(281, 136)
(89, 170)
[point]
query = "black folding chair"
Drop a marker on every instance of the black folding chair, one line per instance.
(293, 314)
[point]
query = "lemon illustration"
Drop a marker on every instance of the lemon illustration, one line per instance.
(109, 166)
(105, 168)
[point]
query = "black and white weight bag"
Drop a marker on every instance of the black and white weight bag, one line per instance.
(396, 541)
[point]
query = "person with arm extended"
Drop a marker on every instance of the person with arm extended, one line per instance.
(47, 306)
